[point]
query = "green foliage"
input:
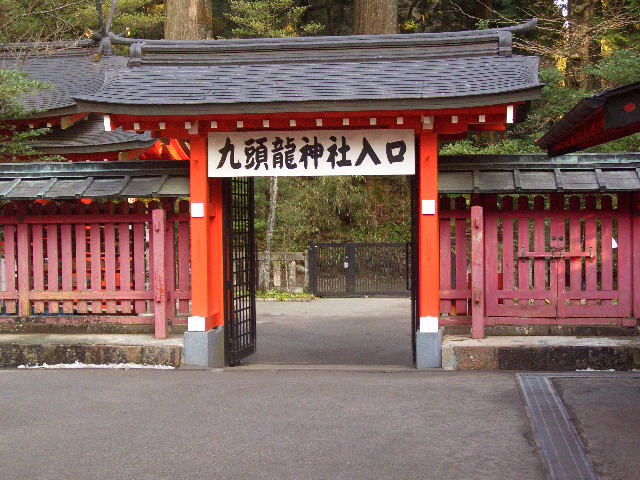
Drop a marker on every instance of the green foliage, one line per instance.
(280, 296)
(14, 85)
(617, 69)
(475, 146)
(270, 19)
(336, 209)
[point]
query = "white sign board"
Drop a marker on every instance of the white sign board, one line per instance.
(311, 153)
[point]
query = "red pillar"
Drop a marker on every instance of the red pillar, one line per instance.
(428, 237)
(477, 273)
(206, 242)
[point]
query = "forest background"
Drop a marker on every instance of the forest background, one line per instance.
(585, 47)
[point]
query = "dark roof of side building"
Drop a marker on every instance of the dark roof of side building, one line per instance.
(595, 120)
(68, 66)
(386, 72)
(88, 136)
(502, 174)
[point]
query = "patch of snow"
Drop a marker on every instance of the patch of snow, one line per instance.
(77, 364)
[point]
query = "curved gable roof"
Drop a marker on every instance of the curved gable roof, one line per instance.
(388, 72)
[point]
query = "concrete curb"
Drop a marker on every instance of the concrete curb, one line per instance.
(616, 354)
(13, 355)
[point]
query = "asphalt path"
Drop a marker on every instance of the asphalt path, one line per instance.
(334, 331)
(239, 424)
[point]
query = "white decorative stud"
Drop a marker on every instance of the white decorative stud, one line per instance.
(345, 122)
(292, 123)
(187, 125)
(454, 119)
(136, 126)
(240, 124)
(214, 124)
(482, 118)
(373, 121)
(49, 124)
(265, 123)
(162, 125)
(319, 122)
(510, 114)
(400, 120)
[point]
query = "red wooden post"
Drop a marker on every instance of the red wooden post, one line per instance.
(124, 242)
(160, 283)
(52, 259)
(477, 273)
(37, 238)
(428, 248)
(24, 307)
(95, 250)
(110, 256)
(81, 258)
(138, 258)
(10, 273)
(635, 252)
(66, 251)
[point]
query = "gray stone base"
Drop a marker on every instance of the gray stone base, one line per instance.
(429, 349)
(204, 349)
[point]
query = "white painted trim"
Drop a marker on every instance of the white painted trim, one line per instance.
(428, 207)
(107, 123)
(197, 210)
(195, 324)
(510, 114)
(427, 325)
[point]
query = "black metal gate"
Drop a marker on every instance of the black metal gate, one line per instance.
(359, 269)
(239, 269)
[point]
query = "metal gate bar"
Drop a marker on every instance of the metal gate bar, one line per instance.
(240, 269)
(359, 269)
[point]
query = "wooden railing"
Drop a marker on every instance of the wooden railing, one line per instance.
(98, 263)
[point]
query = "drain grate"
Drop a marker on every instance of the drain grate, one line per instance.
(557, 437)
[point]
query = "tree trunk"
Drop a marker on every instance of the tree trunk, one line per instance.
(265, 267)
(582, 44)
(375, 17)
(187, 19)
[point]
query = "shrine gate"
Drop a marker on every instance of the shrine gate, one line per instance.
(352, 105)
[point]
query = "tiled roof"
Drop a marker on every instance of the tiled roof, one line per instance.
(390, 72)
(67, 180)
(584, 173)
(537, 174)
(89, 136)
(70, 68)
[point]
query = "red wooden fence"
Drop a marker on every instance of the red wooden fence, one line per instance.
(522, 259)
(98, 263)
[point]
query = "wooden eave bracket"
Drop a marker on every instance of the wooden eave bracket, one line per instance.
(69, 120)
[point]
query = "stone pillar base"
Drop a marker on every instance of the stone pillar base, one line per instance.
(204, 349)
(429, 349)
